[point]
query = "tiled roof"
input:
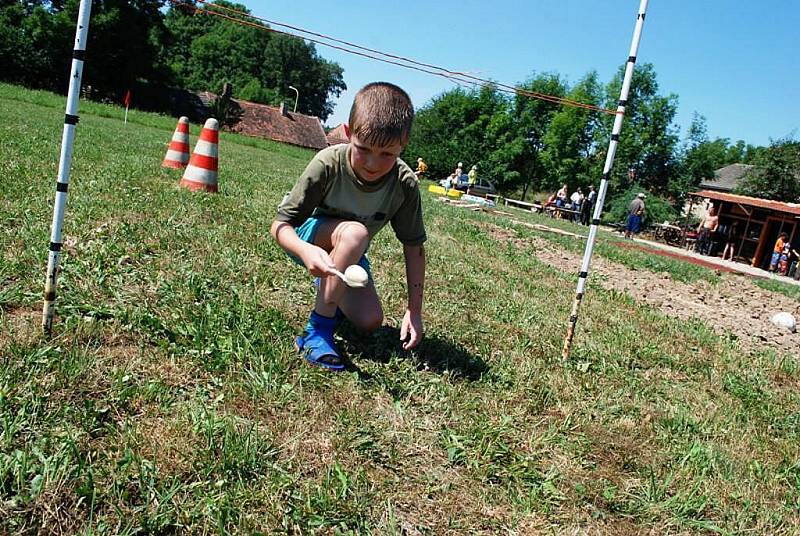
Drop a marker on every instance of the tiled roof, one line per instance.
(262, 121)
(726, 179)
(267, 122)
(337, 135)
(778, 206)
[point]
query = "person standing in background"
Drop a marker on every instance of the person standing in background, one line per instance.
(422, 168)
(635, 215)
(588, 205)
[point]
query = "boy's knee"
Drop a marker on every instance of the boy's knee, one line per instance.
(372, 323)
(351, 233)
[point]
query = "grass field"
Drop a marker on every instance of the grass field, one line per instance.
(169, 399)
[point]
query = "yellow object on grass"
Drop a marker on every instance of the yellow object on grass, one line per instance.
(438, 190)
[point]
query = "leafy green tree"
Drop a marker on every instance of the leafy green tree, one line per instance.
(125, 42)
(480, 130)
(289, 61)
(646, 152)
(124, 45)
(742, 153)
(207, 51)
(569, 141)
(455, 127)
(532, 119)
(657, 208)
(432, 135)
(502, 146)
(37, 50)
(777, 173)
(699, 159)
(253, 91)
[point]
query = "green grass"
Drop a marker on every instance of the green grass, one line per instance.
(608, 246)
(169, 398)
(787, 289)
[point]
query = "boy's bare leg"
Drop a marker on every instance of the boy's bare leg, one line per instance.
(346, 241)
(363, 307)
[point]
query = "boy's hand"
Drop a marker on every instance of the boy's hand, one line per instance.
(317, 260)
(411, 330)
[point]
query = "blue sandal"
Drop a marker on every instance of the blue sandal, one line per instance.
(319, 351)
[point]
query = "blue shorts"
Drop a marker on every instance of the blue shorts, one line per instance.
(776, 257)
(308, 230)
(634, 223)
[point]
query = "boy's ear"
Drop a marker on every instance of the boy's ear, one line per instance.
(346, 130)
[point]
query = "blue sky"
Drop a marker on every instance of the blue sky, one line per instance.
(736, 63)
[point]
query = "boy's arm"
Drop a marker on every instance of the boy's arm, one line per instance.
(411, 328)
(316, 259)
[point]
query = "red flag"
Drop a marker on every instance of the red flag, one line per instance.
(127, 100)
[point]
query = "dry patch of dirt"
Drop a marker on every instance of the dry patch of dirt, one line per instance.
(22, 325)
(732, 305)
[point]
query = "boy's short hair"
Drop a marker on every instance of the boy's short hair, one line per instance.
(382, 114)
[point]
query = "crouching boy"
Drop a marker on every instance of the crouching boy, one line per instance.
(347, 194)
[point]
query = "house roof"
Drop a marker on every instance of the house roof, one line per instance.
(268, 122)
(726, 179)
(777, 206)
(337, 135)
(262, 121)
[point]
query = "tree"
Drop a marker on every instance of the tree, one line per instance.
(699, 159)
(126, 40)
(742, 153)
(646, 152)
(125, 43)
(569, 141)
(657, 209)
(453, 128)
(289, 61)
(777, 173)
(36, 50)
(532, 118)
(207, 51)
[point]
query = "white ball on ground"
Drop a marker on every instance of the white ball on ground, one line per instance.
(785, 320)
(356, 276)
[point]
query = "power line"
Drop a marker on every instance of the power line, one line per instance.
(461, 79)
(260, 26)
(533, 94)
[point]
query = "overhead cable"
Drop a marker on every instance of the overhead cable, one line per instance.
(460, 78)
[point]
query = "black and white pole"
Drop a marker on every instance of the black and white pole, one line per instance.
(65, 161)
(601, 195)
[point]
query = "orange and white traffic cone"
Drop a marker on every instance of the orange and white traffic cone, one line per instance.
(178, 151)
(201, 173)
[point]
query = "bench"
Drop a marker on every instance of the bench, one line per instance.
(533, 207)
(553, 210)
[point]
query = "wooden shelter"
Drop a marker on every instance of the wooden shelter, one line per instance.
(756, 223)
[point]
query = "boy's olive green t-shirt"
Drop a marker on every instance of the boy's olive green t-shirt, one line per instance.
(329, 187)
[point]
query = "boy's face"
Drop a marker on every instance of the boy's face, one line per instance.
(371, 162)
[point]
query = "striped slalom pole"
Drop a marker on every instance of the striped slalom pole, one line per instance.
(65, 161)
(601, 194)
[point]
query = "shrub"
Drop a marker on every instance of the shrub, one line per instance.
(657, 209)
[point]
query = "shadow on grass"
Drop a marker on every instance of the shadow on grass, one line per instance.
(433, 353)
